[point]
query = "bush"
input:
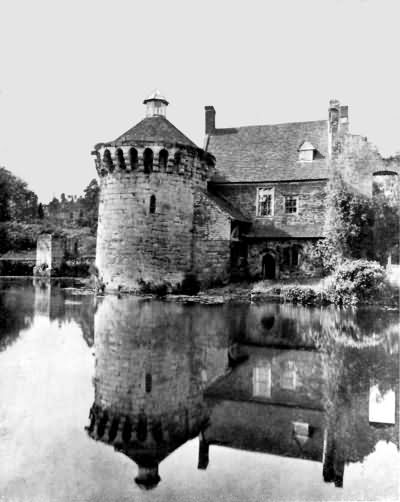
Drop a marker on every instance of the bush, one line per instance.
(298, 294)
(358, 280)
(147, 288)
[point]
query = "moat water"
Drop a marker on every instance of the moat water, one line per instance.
(117, 399)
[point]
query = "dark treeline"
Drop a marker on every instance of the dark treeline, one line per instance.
(23, 217)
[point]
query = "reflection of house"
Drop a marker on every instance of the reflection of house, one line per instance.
(273, 403)
(152, 364)
(305, 404)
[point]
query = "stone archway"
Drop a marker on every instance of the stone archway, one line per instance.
(268, 266)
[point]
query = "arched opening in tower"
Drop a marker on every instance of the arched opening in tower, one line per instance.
(148, 157)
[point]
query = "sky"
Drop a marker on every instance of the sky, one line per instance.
(75, 73)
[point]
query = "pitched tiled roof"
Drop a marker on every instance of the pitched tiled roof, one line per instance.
(269, 152)
(298, 231)
(226, 207)
(153, 129)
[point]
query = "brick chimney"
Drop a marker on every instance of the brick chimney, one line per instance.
(338, 122)
(210, 119)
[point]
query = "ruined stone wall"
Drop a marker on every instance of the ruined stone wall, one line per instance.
(50, 250)
(43, 250)
(211, 241)
(136, 245)
(356, 159)
(311, 196)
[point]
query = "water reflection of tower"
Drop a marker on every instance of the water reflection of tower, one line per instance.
(153, 360)
(42, 296)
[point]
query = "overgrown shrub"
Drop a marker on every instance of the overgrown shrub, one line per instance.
(298, 294)
(159, 290)
(356, 281)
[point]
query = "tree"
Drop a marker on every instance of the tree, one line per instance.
(358, 226)
(348, 227)
(90, 203)
(40, 211)
(17, 202)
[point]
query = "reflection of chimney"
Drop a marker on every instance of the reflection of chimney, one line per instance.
(333, 468)
(148, 477)
(203, 453)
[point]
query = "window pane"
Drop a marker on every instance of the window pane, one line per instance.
(262, 381)
(291, 204)
(265, 202)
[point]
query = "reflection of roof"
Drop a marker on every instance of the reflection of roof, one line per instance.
(265, 428)
(269, 152)
(156, 129)
(291, 231)
(226, 207)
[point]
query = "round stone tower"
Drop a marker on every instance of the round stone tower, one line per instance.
(148, 178)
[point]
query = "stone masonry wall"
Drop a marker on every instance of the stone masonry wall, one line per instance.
(50, 251)
(311, 195)
(211, 244)
(256, 251)
(134, 245)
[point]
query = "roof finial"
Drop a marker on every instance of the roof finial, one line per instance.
(156, 104)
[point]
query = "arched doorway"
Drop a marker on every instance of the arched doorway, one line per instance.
(268, 266)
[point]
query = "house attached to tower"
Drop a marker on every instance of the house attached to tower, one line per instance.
(250, 204)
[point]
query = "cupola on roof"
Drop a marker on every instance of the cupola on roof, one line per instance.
(156, 104)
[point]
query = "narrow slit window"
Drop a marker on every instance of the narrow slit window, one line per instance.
(148, 382)
(152, 204)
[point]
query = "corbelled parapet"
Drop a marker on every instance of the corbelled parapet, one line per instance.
(148, 158)
(148, 178)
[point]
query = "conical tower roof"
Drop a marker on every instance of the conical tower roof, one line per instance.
(155, 129)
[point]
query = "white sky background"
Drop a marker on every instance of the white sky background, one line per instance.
(74, 73)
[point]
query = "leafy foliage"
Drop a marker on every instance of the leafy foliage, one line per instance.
(357, 227)
(358, 281)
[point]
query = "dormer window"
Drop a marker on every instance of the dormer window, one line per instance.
(306, 152)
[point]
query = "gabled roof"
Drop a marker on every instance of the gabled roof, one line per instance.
(306, 146)
(156, 129)
(226, 207)
(269, 152)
